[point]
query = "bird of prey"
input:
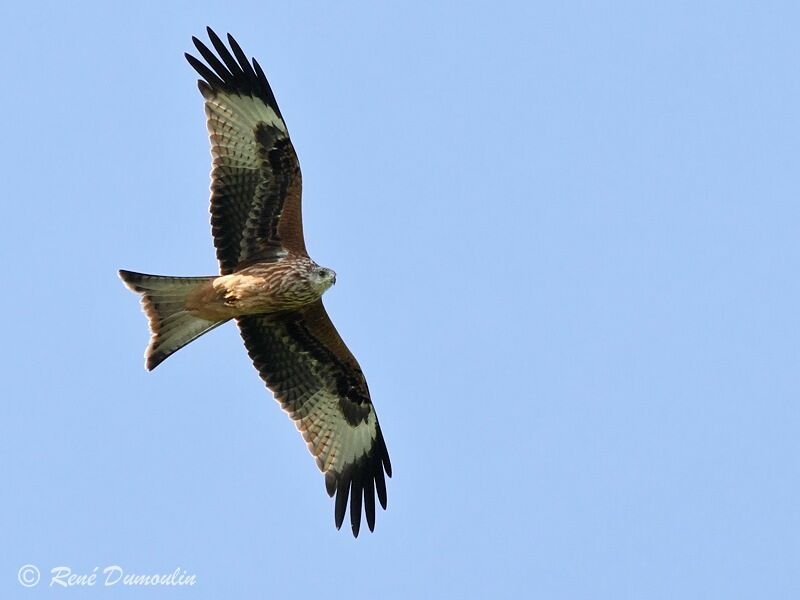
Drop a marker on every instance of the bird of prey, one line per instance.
(270, 285)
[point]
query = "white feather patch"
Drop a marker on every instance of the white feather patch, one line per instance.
(329, 436)
(245, 112)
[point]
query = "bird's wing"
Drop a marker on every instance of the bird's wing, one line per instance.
(316, 379)
(255, 175)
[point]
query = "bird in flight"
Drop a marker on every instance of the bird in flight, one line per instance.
(269, 285)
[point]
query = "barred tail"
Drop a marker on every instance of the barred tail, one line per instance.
(164, 303)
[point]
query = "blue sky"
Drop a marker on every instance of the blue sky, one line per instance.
(566, 240)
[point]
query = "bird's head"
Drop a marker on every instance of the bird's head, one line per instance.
(323, 278)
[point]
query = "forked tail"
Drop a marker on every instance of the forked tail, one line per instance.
(164, 303)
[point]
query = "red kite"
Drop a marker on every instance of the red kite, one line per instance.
(270, 285)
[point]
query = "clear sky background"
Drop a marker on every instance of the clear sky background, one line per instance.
(566, 239)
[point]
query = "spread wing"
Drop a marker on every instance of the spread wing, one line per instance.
(255, 176)
(304, 361)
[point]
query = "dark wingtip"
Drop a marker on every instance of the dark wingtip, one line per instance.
(380, 486)
(387, 466)
(360, 482)
(356, 494)
(231, 72)
(211, 33)
(204, 88)
(369, 503)
(330, 483)
(342, 493)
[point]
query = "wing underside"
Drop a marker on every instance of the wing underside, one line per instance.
(256, 184)
(299, 356)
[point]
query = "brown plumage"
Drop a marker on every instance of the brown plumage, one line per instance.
(269, 284)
